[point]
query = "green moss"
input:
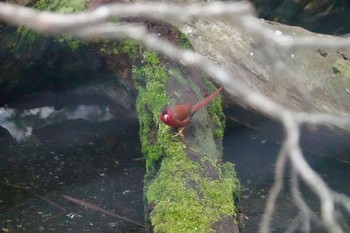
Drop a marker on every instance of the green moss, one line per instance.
(181, 205)
(184, 200)
(130, 47)
(73, 44)
(28, 37)
(62, 6)
(149, 79)
(190, 206)
(184, 41)
(216, 114)
(125, 47)
(228, 173)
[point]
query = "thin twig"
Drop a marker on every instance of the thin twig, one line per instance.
(96, 24)
(34, 194)
(101, 210)
(275, 190)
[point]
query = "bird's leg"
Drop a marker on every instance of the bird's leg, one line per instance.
(179, 133)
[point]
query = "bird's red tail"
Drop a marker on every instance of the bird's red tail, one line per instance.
(205, 101)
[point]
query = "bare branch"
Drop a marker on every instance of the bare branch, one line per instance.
(275, 190)
(97, 24)
(55, 23)
(306, 212)
(313, 180)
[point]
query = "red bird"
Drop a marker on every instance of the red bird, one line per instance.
(179, 115)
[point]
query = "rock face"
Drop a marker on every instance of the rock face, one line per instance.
(305, 79)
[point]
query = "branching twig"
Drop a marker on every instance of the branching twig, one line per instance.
(96, 24)
(276, 188)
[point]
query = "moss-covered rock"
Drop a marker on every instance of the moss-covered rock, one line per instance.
(184, 200)
(182, 195)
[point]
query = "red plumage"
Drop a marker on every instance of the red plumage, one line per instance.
(179, 115)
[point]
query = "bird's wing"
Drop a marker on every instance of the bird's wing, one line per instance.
(182, 111)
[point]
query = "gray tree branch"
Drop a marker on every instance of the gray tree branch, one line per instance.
(97, 24)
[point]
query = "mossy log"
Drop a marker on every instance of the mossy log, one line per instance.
(187, 187)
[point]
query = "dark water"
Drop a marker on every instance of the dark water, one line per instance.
(85, 152)
(255, 151)
(78, 151)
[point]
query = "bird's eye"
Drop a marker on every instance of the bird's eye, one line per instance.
(164, 110)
